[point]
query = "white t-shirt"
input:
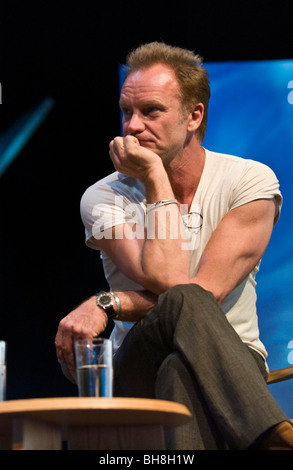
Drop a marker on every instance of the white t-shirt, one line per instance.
(226, 183)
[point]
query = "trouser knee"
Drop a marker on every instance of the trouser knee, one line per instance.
(185, 300)
(176, 292)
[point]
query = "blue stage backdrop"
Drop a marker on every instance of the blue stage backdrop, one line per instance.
(251, 115)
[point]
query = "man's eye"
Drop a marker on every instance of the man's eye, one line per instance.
(126, 114)
(151, 110)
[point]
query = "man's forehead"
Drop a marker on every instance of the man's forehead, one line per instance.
(155, 79)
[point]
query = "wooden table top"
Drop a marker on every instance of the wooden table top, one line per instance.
(96, 411)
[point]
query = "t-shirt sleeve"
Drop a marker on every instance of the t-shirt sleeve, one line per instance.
(257, 181)
(102, 209)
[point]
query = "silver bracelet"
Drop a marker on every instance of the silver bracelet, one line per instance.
(164, 202)
(118, 303)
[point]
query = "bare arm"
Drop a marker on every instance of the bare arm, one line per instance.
(154, 262)
(236, 247)
(88, 320)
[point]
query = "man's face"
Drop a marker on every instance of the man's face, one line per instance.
(152, 110)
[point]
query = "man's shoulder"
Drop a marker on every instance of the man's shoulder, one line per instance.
(233, 162)
(220, 158)
(104, 181)
(115, 184)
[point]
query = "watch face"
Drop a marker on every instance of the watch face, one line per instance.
(105, 301)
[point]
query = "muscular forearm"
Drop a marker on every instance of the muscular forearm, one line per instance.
(164, 260)
(135, 304)
(88, 320)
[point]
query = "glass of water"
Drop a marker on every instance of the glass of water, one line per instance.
(94, 367)
(2, 370)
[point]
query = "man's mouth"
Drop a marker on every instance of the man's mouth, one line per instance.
(145, 142)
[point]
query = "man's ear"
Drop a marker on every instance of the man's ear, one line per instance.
(196, 117)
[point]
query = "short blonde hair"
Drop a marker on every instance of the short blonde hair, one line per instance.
(192, 78)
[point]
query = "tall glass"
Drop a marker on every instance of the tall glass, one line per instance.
(2, 370)
(94, 367)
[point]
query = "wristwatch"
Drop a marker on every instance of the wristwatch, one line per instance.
(105, 301)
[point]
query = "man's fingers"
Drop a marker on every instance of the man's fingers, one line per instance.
(121, 146)
(130, 141)
(64, 347)
(86, 321)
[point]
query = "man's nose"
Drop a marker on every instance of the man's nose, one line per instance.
(135, 124)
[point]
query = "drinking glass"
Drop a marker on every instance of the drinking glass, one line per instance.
(94, 367)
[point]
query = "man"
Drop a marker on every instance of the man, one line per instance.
(181, 232)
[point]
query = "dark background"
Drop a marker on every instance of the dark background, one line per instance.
(70, 51)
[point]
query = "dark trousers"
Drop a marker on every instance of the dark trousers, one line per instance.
(185, 350)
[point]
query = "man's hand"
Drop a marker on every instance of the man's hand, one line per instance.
(132, 159)
(86, 321)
